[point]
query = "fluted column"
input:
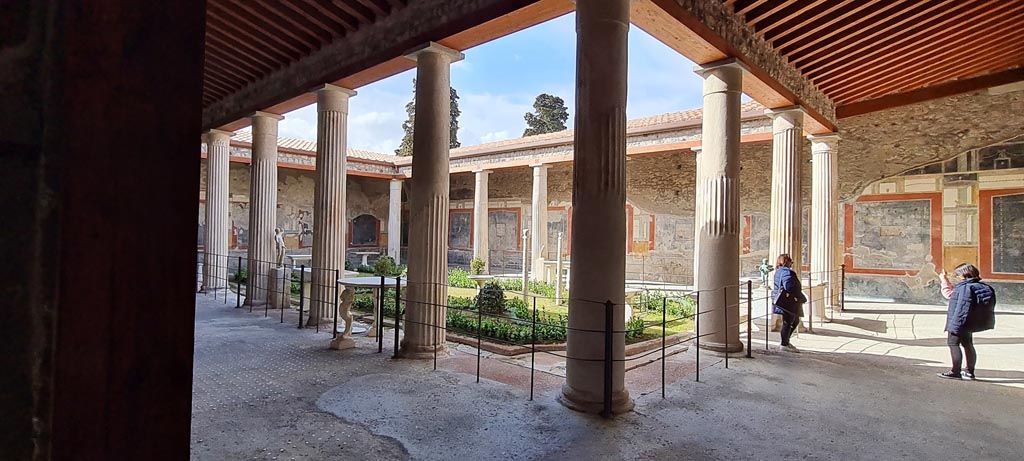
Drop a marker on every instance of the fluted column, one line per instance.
(719, 222)
(329, 220)
(427, 294)
(395, 221)
(539, 228)
(787, 135)
(697, 212)
(262, 204)
(218, 224)
(481, 198)
(598, 270)
(824, 232)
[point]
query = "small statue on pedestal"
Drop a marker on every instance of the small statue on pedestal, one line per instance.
(279, 246)
(765, 270)
(344, 339)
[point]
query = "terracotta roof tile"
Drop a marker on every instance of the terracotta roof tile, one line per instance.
(310, 146)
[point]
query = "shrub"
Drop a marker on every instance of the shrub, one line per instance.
(635, 327)
(242, 276)
(536, 287)
(386, 266)
(550, 329)
(462, 302)
(476, 266)
(349, 266)
(519, 308)
(459, 278)
(675, 307)
(491, 298)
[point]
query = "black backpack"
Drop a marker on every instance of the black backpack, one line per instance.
(982, 315)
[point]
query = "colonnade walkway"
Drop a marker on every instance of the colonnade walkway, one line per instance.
(864, 388)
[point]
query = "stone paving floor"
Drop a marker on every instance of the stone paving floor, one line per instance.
(863, 389)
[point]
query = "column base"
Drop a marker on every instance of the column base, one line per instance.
(417, 352)
(255, 302)
(342, 342)
(210, 290)
(721, 348)
(576, 400)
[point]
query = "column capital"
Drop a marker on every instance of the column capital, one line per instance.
(719, 66)
(434, 47)
(330, 98)
(541, 166)
(261, 114)
(482, 171)
(696, 150)
(821, 143)
(791, 113)
(396, 181)
(327, 87)
(212, 136)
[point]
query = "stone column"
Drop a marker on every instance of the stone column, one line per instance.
(824, 232)
(539, 227)
(598, 270)
(481, 199)
(719, 215)
(697, 209)
(329, 221)
(395, 221)
(787, 131)
(262, 204)
(428, 232)
(215, 270)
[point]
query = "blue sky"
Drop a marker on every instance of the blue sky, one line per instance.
(498, 81)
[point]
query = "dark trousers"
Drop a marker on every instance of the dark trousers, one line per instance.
(789, 324)
(965, 339)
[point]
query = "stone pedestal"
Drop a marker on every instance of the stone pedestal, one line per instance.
(262, 205)
(329, 221)
(539, 222)
(718, 218)
(279, 287)
(599, 200)
(427, 293)
(481, 198)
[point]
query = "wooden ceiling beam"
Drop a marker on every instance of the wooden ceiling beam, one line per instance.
(772, 9)
(869, 35)
(288, 21)
(372, 5)
(977, 37)
(298, 18)
(266, 30)
(221, 79)
(247, 69)
(233, 29)
(242, 49)
(795, 11)
(314, 7)
(750, 6)
(271, 21)
(851, 17)
(938, 69)
(833, 12)
(966, 70)
(356, 10)
(930, 93)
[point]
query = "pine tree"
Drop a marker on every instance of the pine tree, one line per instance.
(405, 148)
(550, 115)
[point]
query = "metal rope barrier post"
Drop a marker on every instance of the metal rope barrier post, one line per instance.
(768, 312)
(750, 312)
(842, 289)
(810, 304)
(337, 298)
(398, 310)
(725, 313)
(380, 318)
(302, 291)
(533, 346)
(608, 322)
(664, 328)
(696, 322)
(479, 336)
(286, 286)
(238, 293)
(435, 341)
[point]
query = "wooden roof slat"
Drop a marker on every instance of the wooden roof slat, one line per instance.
(378, 10)
(964, 72)
(770, 10)
(243, 50)
(908, 42)
(233, 30)
(235, 64)
(315, 7)
(795, 10)
(261, 28)
(220, 79)
(287, 21)
(949, 88)
(938, 68)
(355, 9)
(870, 35)
(750, 6)
(295, 16)
(832, 13)
(846, 21)
(973, 38)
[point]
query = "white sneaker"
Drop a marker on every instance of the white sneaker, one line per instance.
(791, 348)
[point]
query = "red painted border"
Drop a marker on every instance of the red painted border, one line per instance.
(936, 231)
(747, 221)
(985, 249)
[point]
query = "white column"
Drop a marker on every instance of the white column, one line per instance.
(262, 204)
(218, 224)
(539, 228)
(395, 221)
(824, 232)
(719, 224)
(598, 270)
(786, 203)
(329, 221)
(481, 199)
(428, 232)
(697, 210)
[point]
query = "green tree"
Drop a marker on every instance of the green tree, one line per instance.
(550, 115)
(405, 148)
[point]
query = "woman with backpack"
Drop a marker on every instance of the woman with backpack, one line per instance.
(971, 309)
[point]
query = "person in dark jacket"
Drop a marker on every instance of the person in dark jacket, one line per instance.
(971, 309)
(788, 299)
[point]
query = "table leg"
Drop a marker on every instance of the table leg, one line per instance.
(371, 332)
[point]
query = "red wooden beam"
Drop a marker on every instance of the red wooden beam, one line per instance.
(930, 93)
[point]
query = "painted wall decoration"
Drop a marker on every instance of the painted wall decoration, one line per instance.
(460, 229)
(558, 222)
(1008, 234)
(892, 234)
(365, 231)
